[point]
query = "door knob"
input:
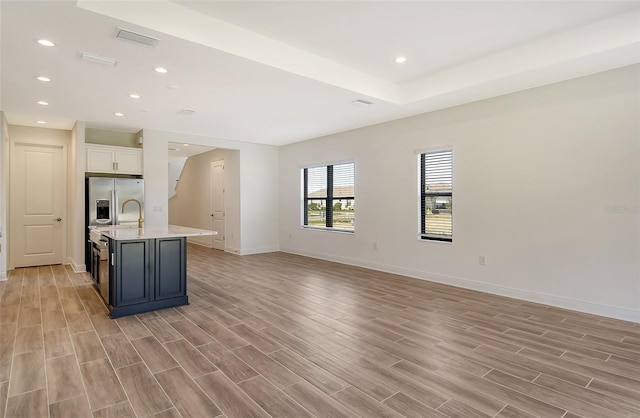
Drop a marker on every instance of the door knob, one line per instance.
(58, 219)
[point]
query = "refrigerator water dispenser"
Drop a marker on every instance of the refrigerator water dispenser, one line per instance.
(102, 211)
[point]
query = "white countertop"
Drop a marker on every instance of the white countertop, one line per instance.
(120, 232)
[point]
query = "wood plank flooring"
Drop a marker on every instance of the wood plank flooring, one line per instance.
(287, 336)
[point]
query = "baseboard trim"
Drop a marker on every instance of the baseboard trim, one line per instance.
(77, 268)
(262, 250)
(526, 295)
(232, 250)
(236, 251)
(200, 241)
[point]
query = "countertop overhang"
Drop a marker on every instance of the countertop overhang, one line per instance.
(150, 232)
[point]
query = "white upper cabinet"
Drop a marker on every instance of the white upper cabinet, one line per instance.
(109, 159)
(129, 161)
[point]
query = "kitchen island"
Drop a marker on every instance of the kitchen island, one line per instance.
(146, 268)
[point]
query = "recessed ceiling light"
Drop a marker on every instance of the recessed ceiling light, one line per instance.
(43, 78)
(41, 122)
(46, 42)
(401, 60)
(161, 70)
(185, 145)
(174, 149)
(173, 86)
(134, 96)
(119, 114)
(43, 103)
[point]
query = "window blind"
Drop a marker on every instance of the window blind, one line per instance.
(317, 182)
(436, 204)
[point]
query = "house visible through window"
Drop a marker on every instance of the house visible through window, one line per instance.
(329, 199)
(436, 195)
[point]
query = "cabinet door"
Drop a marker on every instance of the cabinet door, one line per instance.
(100, 160)
(133, 272)
(170, 268)
(129, 162)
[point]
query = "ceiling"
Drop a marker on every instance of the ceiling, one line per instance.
(285, 71)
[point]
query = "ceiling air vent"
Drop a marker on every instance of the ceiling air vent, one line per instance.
(97, 59)
(136, 37)
(361, 102)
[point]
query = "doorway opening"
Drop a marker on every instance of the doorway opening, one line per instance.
(199, 183)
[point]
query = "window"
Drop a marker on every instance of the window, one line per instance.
(436, 193)
(329, 200)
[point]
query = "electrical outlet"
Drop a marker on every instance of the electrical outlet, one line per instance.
(375, 245)
(157, 208)
(482, 260)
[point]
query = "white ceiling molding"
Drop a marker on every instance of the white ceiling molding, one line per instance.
(181, 22)
(617, 37)
(587, 44)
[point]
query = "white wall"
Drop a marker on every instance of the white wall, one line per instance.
(76, 226)
(4, 194)
(191, 205)
(258, 188)
(546, 186)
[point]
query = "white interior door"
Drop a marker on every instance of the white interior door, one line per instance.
(37, 197)
(217, 203)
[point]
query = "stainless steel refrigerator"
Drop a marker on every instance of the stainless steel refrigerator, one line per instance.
(104, 198)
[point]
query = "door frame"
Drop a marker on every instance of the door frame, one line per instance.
(29, 139)
(4, 196)
(224, 203)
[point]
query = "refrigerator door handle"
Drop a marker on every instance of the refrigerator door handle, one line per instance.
(114, 199)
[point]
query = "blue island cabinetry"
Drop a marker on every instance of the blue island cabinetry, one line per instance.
(145, 269)
(147, 274)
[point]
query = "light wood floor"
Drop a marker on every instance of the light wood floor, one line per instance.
(287, 336)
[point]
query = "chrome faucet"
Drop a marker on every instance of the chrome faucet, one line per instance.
(139, 210)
